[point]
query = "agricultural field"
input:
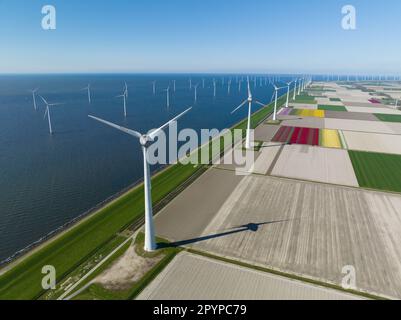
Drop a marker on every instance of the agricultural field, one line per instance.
(388, 117)
(373, 142)
(316, 164)
(195, 277)
(374, 110)
(302, 228)
(377, 170)
(331, 108)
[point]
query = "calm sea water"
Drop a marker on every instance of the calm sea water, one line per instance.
(46, 181)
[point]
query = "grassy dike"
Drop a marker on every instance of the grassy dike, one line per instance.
(68, 251)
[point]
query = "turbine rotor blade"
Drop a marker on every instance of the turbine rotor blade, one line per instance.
(155, 132)
(260, 103)
(44, 100)
(123, 129)
(240, 106)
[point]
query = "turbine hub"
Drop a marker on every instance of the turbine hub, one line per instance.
(143, 140)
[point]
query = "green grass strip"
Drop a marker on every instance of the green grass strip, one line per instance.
(331, 108)
(388, 117)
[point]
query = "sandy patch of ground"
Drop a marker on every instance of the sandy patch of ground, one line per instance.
(373, 110)
(193, 277)
(364, 104)
(265, 132)
(127, 270)
(316, 164)
(374, 142)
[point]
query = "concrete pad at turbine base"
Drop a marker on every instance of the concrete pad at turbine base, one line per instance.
(194, 277)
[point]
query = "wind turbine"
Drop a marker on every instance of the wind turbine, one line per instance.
(276, 89)
(196, 92)
(34, 98)
(190, 84)
(239, 85)
(214, 87)
(229, 87)
(47, 112)
(88, 88)
(168, 96)
(126, 90)
(124, 96)
(144, 140)
(248, 130)
(154, 87)
(203, 83)
(288, 93)
(174, 84)
(295, 89)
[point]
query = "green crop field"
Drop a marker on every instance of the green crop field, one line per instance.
(388, 117)
(331, 108)
(335, 99)
(377, 170)
(70, 250)
(305, 98)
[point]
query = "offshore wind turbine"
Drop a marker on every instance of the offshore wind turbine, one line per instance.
(196, 92)
(203, 83)
(154, 87)
(124, 96)
(229, 87)
(34, 98)
(126, 89)
(214, 87)
(88, 89)
(168, 96)
(249, 100)
(144, 140)
(174, 84)
(47, 112)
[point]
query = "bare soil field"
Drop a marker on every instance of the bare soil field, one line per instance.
(316, 164)
(193, 277)
(312, 230)
(374, 142)
(373, 110)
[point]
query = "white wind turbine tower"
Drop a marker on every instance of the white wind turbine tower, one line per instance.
(276, 89)
(299, 86)
(288, 93)
(47, 112)
(144, 140)
(34, 98)
(239, 85)
(154, 87)
(168, 96)
(88, 89)
(229, 87)
(214, 87)
(203, 83)
(249, 100)
(196, 92)
(124, 96)
(190, 84)
(295, 89)
(174, 85)
(126, 89)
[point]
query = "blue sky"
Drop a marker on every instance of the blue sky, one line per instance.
(285, 36)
